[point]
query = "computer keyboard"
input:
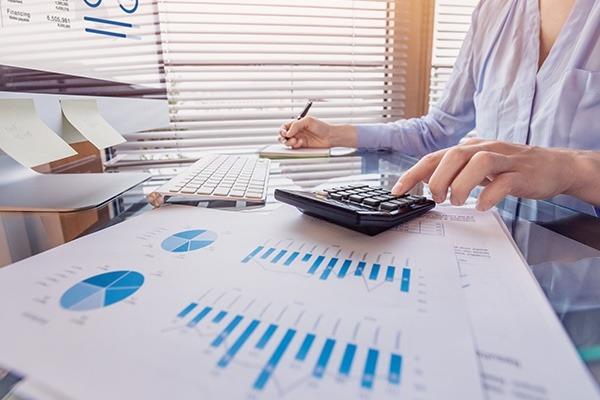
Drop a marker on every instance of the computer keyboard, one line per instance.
(221, 177)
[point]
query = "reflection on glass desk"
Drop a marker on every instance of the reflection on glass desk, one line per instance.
(562, 246)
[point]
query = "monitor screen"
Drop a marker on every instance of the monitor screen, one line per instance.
(81, 47)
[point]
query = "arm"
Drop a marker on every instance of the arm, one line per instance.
(447, 122)
(444, 126)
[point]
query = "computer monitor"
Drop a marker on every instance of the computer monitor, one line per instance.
(108, 50)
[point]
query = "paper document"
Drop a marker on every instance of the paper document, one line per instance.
(522, 347)
(83, 121)
(282, 151)
(189, 303)
(25, 138)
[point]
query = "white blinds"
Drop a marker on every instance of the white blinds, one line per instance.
(236, 69)
(452, 21)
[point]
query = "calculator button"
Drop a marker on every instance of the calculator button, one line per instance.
(388, 206)
(372, 202)
(401, 202)
(356, 198)
(387, 198)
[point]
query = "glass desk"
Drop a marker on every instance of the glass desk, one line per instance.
(562, 246)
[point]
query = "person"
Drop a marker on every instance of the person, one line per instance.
(527, 79)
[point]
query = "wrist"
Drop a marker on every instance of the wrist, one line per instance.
(585, 169)
(343, 136)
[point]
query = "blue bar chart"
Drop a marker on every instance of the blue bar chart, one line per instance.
(235, 334)
(324, 267)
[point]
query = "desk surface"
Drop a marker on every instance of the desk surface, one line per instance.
(562, 246)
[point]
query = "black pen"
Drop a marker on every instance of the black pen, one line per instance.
(305, 111)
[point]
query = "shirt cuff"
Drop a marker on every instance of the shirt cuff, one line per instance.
(597, 209)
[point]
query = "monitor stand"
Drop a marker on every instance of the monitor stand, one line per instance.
(22, 189)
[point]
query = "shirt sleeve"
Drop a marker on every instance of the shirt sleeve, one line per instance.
(447, 122)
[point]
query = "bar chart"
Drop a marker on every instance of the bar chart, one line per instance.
(326, 267)
(323, 357)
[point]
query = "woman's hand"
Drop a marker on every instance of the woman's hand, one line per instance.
(311, 132)
(503, 168)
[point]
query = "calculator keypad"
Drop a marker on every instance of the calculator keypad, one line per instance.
(371, 198)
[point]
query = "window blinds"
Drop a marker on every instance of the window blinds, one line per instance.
(452, 21)
(236, 69)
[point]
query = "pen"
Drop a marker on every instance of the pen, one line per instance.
(305, 111)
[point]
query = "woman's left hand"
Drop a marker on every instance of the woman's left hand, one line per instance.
(503, 168)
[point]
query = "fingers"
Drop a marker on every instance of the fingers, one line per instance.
(503, 185)
(284, 128)
(451, 164)
(292, 128)
(294, 143)
(482, 165)
(421, 171)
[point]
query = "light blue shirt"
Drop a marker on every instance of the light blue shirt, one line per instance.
(497, 90)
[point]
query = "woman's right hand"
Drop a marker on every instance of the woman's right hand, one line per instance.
(314, 133)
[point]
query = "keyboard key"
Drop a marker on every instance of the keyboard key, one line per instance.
(204, 190)
(336, 196)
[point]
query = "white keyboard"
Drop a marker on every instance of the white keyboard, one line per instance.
(221, 177)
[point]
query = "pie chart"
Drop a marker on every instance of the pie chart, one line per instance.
(185, 241)
(101, 290)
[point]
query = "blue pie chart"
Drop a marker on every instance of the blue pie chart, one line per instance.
(185, 241)
(101, 290)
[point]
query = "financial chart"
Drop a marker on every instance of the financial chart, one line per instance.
(284, 348)
(195, 239)
(197, 305)
(101, 290)
(331, 263)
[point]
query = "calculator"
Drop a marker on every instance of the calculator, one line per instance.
(363, 208)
